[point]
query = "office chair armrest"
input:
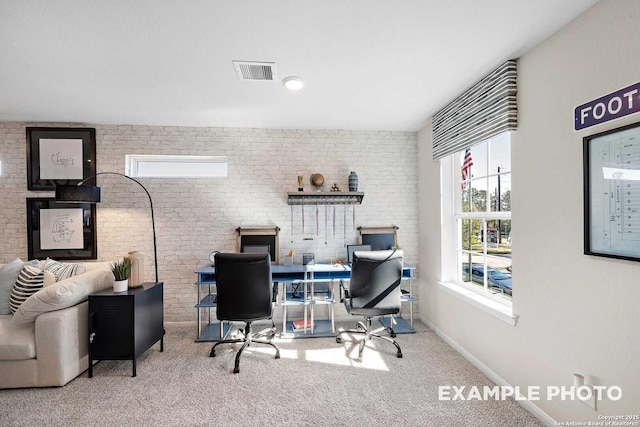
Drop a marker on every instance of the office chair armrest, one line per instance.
(344, 291)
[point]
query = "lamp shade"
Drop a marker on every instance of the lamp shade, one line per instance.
(77, 194)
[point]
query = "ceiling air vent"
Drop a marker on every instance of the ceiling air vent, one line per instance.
(251, 70)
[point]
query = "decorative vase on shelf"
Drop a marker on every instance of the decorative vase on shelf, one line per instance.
(353, 182)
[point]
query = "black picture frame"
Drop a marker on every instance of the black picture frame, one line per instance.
(379, 238)
(46, 169)
(258, 236)
(41, 227)
(611, 165)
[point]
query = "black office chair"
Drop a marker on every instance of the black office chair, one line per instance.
(244, 294)
(374, 290)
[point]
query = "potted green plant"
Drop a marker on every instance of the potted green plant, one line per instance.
(121, 271)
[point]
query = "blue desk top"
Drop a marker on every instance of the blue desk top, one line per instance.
(297, 271)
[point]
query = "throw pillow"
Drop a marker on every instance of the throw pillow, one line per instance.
(30, 281)
(63, 294)
(49, 278)
(62, 270)
(8, 276)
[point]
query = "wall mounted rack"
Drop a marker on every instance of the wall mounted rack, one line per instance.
(324, 198)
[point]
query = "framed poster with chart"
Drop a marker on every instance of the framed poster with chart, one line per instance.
(612, 193)
(61, 231)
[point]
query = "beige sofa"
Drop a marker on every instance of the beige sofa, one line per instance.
(45, 342)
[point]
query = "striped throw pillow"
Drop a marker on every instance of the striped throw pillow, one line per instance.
(62, 270)
(30, 281)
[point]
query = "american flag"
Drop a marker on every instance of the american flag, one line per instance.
(466, 167)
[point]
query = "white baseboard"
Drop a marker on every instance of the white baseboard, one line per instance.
(526, 404)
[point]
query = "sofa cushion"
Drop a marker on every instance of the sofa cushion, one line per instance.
(8, 275)
(16, 342)
(62, 270)
(30, 280)
(96, 265)
(63, 294)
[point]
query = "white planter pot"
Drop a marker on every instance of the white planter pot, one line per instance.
(120, 285)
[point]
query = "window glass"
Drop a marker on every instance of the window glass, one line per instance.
(479, 195)
(500, 157)
(483, 216)
(170, 166)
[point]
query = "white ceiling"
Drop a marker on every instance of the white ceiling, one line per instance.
(367, 64)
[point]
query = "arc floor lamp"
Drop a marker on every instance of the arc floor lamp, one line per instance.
(91, 194)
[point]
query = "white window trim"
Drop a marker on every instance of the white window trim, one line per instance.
(133, 160)
(478, 298)
(485, 303)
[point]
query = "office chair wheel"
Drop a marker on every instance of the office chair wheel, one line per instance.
(338, 340)
(236, 370)
(399, 354)
(213, 353)
(392, 334)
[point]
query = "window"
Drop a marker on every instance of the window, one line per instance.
(169, 166)
(480, 217)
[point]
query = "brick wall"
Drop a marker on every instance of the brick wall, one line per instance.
(196, 216)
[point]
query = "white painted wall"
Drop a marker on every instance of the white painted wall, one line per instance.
(194, 217)
(577, 313)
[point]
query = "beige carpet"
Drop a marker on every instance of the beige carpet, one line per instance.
(316, 382)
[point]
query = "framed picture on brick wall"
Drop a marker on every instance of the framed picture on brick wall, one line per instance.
(61, 231)
(59, 156)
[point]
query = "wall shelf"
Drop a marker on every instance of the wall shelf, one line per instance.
(324, 198)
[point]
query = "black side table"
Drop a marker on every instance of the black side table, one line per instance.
(123, 325)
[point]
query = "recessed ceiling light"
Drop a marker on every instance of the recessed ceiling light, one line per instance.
(293, 83)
